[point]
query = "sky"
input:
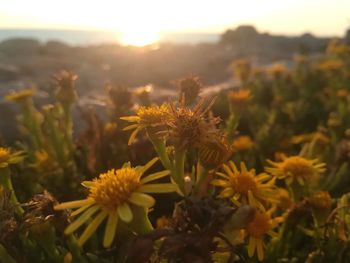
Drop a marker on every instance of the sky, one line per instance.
(146, 18)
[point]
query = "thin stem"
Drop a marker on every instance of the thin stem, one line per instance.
(5, 181)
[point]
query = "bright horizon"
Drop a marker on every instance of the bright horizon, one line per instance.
(141, 22)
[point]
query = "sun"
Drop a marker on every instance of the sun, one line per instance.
(139, 37)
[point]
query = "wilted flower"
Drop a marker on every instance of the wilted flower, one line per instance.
(242, 143)
(244, 187)
(261, 226)
(112, 196)
(296, 168)
(147, 117)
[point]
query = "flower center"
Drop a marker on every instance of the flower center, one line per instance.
(298, 166)
(4, 155)
(259, 226)
(243, 182)
(115, 187)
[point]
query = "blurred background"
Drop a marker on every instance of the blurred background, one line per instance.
(152, 43)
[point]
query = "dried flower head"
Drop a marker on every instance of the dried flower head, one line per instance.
(296, 168)
(120, 98)
(112, 196)
(189, 89)
(191, 127)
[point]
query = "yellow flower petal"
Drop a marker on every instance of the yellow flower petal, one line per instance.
(154, 176)
(157, 188)
(81, 220)
(251, 246)
(148, 165)
(130, 118)
(227, 192)
(125, 213)
(141, 199)
(80, 210)
(74, 204)
(260, 249)
(92, 228)
(87, 184)
(131, 127)
(133, 135)
(110, 230)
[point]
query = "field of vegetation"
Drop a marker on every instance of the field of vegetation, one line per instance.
(251, 174)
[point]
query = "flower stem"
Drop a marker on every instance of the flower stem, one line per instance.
(5, 181)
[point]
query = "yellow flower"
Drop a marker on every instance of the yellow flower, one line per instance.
(152, 116)
(242, 143)
(111, 197)
(20, 96)
(296, 168)
(239, 97)
(261, 226)
(214, 152)
(7, 158)
(244, 187)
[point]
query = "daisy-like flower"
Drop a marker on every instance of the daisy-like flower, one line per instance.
(20, 96)
(152, 116)
(244, 187)
(7, 158)
(112, 196)
(296, 168)
(261, 226)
